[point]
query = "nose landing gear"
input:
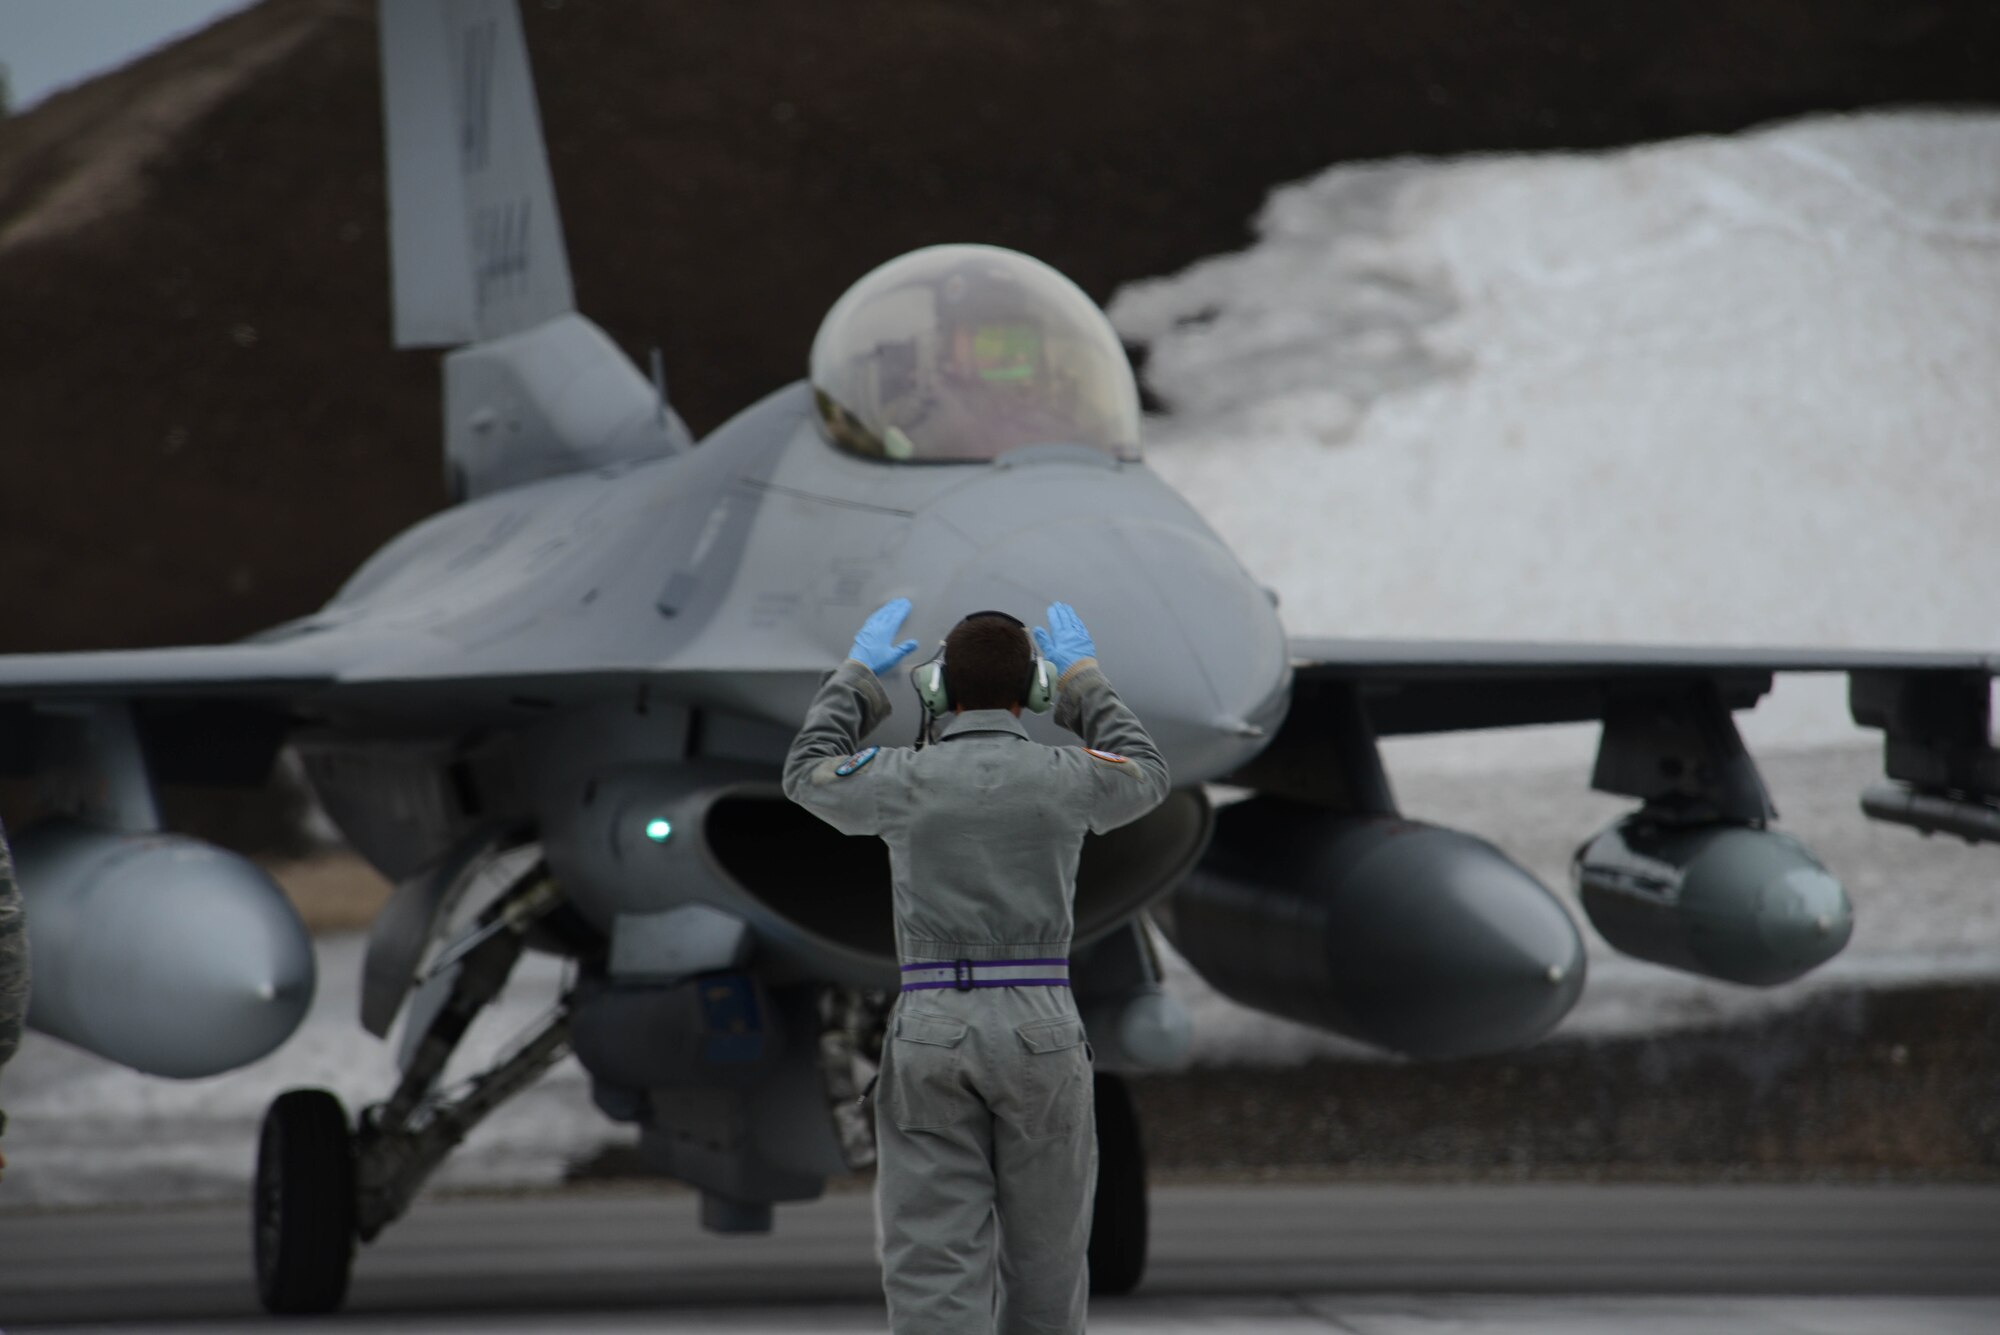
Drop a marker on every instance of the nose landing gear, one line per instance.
(321, 1187)
(302, 1207)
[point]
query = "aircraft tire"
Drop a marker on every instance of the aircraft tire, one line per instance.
(302, 1205)
(1118, 1222)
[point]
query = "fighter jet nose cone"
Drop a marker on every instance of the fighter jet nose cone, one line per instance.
(1189, 640)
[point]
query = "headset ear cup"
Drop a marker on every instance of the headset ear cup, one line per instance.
(1041, 687)
(928, 678)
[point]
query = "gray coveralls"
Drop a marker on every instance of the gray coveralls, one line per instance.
(983, 1114)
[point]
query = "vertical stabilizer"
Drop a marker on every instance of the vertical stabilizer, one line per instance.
(476, 244)
(476, 249)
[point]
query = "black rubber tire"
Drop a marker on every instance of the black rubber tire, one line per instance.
(1118, 1223)
(302, 1205)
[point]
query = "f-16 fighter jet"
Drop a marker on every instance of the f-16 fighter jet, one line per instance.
(554, 716)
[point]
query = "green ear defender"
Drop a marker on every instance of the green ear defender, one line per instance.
(928, 678)
(1041, 693)
(1038, 696)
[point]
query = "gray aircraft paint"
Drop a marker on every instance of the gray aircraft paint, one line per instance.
(467, 177)
(227, 973)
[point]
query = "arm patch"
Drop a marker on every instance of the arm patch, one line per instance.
(855, 762)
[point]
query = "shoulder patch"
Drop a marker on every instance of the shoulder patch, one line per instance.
(1112, 756)
(855, 761)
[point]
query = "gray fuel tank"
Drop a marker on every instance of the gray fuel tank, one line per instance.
(1422, 940)
(159, 952)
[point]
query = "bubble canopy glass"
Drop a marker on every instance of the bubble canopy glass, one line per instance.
(955, 354)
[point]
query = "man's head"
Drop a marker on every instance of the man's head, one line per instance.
(986, 663)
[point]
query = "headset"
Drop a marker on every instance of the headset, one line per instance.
(1037, 693)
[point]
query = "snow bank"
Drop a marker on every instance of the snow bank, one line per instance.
(1736, 391)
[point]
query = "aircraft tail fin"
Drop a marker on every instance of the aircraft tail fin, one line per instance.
(533, 389)
(476, 243)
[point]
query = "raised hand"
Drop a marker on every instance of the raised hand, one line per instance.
(872, 643)
(1065, 641)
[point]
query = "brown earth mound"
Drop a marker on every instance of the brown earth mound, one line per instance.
(205, 428)
(1898, 1084)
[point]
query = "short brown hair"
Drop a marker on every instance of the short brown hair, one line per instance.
(986, 663)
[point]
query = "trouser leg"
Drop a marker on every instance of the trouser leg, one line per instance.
(1045, 1187)
(934, 1213)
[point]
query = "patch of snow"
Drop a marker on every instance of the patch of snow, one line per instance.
(82, 1130)
(1723, 390)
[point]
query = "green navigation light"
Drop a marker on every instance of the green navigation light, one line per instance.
(658, 829)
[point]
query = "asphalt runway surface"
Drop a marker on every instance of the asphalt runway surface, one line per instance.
(1278, 1258)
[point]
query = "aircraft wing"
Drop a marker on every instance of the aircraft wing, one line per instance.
(1420, 686)
(205, 714)
(250, 671)
(409, 686)
(1664, 708)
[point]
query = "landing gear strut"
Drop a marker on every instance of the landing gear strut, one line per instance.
(321, 1187)
(1118, 1225)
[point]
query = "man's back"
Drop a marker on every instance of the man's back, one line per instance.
(984, 1124)
(985, 825)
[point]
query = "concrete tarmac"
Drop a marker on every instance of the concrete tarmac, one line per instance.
(1379, 1259)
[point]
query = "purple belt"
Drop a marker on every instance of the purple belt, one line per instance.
(964, 975)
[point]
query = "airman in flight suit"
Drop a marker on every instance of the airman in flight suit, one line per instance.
(983, 1111)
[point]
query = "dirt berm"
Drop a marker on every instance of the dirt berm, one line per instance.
(1899, 1083)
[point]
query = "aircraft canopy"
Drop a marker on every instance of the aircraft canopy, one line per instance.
(956, 354)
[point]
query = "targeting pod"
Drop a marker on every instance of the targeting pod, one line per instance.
(1721, 900)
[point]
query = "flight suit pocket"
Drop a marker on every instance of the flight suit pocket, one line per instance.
(1054, 1088)
(922, 1088)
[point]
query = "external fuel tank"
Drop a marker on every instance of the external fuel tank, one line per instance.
(159, 952)
(1414, 938)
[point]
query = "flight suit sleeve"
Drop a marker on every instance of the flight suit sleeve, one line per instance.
(1133, 779)
(13, 961)
(848, 707)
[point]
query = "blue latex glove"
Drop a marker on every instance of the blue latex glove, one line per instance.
(872, 645)
(1065, 641)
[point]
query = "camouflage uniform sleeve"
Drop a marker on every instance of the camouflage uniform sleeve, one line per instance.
(1133, 779)
(13, 961)
(850, 704)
